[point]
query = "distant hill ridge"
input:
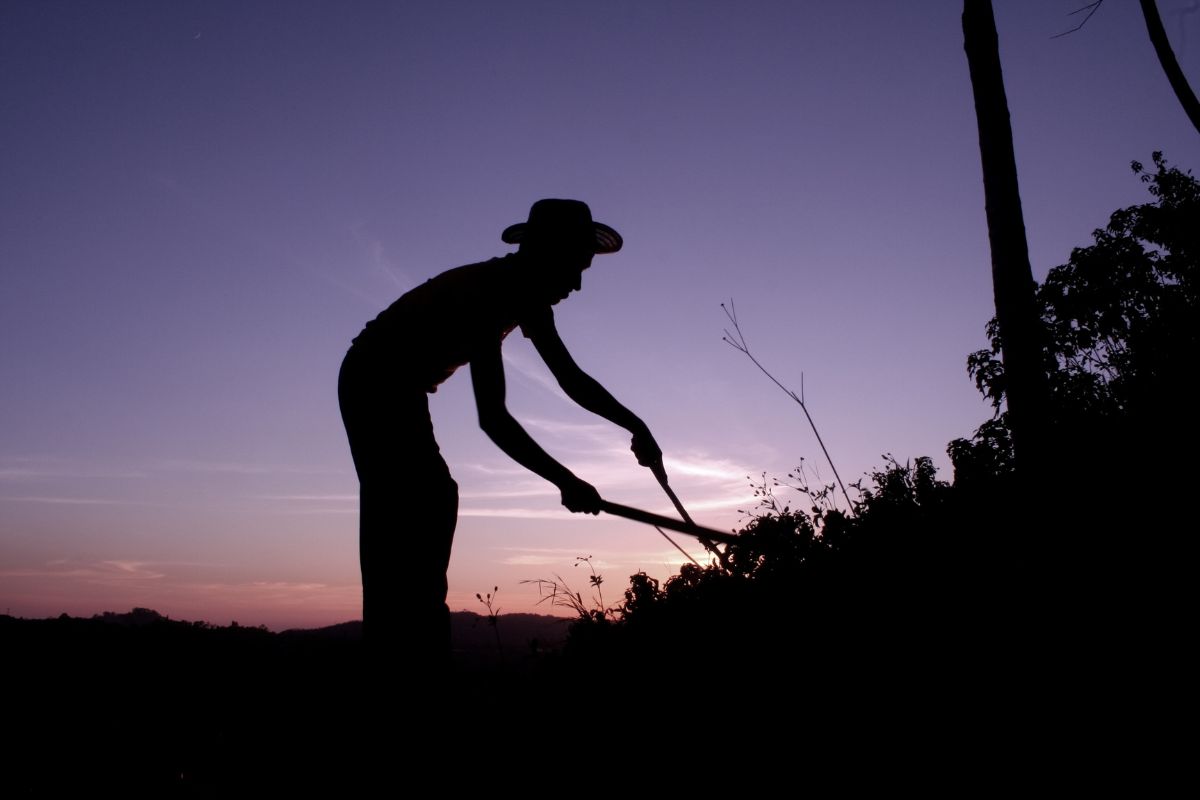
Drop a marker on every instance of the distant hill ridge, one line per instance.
(469, 631)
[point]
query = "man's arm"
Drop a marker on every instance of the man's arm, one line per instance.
(588, 393)
(487, 378)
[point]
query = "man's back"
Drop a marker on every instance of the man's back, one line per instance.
(437, 327)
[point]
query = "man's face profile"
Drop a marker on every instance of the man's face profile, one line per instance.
(559, 265)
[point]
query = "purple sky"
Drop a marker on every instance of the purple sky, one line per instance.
(202, 203)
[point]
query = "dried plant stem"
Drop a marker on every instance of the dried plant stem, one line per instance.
(493, 614)
(738, 342)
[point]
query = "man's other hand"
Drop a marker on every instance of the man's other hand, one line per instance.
(580, 496)
(645, 449)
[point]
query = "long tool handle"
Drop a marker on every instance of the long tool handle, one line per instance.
(637, 515)
(661, 474)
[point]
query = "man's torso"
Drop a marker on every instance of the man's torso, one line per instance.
(442, 324)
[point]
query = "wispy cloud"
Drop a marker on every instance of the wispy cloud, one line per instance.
(531, 560)
(109, 571)
(618, 472)
(305, 498)
(134, 569)
(573, 552)
(375, 266)
(282, 593)
(72, 501)
(367, 299)
(670, 560)
(699, 466)
(379, 261)
(534, 560)
(601, 560)
(158, 582)
(492, 469)
(22, 473)
(704, 484)
(517, 513)
(734, 502)
(240, 467)
(538, 375)
(547, 490)
(376, 257)
(18, 468)
(605, 433)
(303, 504)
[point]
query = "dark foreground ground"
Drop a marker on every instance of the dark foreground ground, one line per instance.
(143, 706)
(139, 703)
(146, 706)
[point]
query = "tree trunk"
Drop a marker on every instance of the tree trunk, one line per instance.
(1012, 278)
(1166, 57)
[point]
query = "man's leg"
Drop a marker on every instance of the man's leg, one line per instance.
(408, 509)
(405, 533)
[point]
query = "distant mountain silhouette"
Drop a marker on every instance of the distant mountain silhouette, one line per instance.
(345, 631)
(136, 617)
(470, 631)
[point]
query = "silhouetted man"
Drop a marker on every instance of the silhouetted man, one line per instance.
(408, 501)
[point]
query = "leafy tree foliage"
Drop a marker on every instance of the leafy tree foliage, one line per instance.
(1120, 328)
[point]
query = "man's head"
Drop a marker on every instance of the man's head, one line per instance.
(558, 243)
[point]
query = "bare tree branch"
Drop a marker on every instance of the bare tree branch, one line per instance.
(1162, 49)
(1094, 7)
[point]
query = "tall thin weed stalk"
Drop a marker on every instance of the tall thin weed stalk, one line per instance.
(737, 340)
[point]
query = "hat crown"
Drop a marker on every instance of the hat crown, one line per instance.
(559, 214)
(563, 220)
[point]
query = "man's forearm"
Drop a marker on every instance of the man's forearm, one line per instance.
(588, 393)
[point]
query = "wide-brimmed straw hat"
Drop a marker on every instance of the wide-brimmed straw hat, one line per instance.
(563, 220)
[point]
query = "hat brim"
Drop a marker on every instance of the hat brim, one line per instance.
(607, 239)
